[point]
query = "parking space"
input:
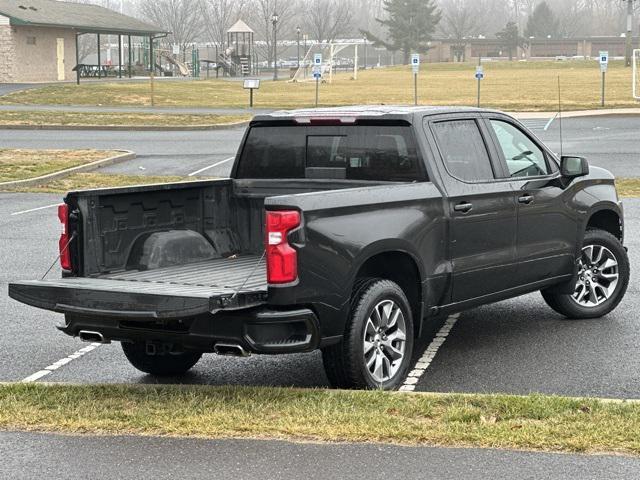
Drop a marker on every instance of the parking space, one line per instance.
(517, 346)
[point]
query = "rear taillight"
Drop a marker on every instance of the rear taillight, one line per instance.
(282, 259)
(65, 237)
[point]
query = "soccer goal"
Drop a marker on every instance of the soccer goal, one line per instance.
(636, 74)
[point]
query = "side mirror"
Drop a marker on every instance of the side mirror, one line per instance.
(572, 167)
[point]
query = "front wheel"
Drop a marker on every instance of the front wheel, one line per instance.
(168, 364)
(603, 277)
(375, 352)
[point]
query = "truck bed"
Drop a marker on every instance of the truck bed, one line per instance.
(171, 292)
(220, 276)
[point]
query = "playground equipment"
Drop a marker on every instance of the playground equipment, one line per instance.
(237, 59)
(182, 67)
(329, 66)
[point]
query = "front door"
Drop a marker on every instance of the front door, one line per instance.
(60, 58)
(482, 209)
(546, 233)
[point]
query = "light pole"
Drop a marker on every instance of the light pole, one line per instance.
(305, 37)
(629, 39)
(365, 52)
(274, 20)
(298, 33)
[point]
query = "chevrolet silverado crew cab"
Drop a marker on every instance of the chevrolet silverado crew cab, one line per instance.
(342, 230)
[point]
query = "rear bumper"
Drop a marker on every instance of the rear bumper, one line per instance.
(256, 330)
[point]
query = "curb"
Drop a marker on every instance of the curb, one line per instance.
(105, 162)
(124, 128)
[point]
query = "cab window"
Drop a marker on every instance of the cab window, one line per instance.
(523, 157)
(463, 150)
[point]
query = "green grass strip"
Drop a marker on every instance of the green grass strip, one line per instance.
(534, 422)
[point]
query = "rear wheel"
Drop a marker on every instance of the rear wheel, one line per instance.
(167, 364)
(375, 352)
(603, 277)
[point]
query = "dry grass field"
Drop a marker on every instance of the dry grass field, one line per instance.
(512, 86)
(21, 164)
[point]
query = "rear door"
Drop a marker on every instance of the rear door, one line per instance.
(482, 207)
(546, 233)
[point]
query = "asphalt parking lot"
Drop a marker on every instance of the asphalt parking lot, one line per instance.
(517, 346)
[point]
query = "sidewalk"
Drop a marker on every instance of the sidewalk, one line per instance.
(30, 455)
(133, 109)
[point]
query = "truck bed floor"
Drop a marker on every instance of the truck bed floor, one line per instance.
(219, 276)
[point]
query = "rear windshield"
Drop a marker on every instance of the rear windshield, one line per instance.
(356, 152)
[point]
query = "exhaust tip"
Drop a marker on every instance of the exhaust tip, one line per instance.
(230, 350)
(91, 337)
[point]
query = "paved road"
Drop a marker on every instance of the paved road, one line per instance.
(610, 142)
(34, 456)
(159, 153)
(126, 109)
(517, 346)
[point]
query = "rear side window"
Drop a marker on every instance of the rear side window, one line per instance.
(358, 152)
(272, 152)
(463, 150)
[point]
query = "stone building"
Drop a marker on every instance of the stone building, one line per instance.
(39, 38)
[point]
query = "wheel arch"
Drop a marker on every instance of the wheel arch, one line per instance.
(607, 217)
(400, 265)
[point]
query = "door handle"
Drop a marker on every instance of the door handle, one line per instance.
(463, 207)
(526, 199)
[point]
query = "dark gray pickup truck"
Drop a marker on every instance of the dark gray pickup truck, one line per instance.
(342, 230)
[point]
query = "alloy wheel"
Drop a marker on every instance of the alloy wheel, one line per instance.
(598, 276)
(384, 341)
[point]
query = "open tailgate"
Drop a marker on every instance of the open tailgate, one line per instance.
(164, 293)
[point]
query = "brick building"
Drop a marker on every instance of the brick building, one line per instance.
(39, 38)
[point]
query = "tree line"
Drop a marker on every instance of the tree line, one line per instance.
(399, 25)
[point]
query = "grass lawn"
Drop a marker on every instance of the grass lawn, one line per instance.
(628, 187)
(19, 164)
(532, 422)
(44, 118)
(523, 86)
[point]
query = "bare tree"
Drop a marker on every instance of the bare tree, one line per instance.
(261, 13)
(327, 19)
(218, 16)
(460, 21)
(180, 17)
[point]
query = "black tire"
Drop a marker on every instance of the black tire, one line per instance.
(565, 305)
(169, 364)
(345, 363)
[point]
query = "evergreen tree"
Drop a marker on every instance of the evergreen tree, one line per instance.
(511, 38)
(410, 25)
(542, 22)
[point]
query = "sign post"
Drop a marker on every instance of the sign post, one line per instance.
(604, 64)
(251, 85)
(415, 65)
(317, 73)
(479, 77)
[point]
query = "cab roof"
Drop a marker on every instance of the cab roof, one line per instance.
(392, 112)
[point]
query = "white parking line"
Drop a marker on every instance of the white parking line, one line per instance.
(211, 166)
(429, 354)
(546, 127)
(34, 209)
(64, 361)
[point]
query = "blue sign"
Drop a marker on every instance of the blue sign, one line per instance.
(479, 73)
(317, 75)
(317, 59)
